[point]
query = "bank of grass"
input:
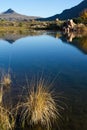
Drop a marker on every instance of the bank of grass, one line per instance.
(12, 28)
(35, 25)
(29, 25)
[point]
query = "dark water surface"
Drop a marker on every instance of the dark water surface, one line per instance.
(56, 59)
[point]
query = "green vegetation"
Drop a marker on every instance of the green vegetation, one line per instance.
(82, 18)
(20, 26)
(84, 15)
(29, 25)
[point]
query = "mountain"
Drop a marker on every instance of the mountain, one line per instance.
(9, 11)
(74, 12)
(14, 16)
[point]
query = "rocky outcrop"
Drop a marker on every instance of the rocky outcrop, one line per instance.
(68, 26)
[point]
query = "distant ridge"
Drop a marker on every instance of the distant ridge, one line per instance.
(11, 15)
(74, 12)
(71, 13)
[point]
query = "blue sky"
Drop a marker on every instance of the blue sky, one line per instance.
(43, 8)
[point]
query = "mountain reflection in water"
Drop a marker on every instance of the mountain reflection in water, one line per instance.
(11, 37)
(75, 39)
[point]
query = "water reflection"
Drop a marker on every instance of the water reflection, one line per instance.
(76, 39)
(38, 109)
(54, 52)
(13, 36)
(79, 40)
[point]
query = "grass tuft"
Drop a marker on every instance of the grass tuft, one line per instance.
(6, 80)
(6, 119)
(40, 107)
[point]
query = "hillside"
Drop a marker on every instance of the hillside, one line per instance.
(14, 16)
(74, 12)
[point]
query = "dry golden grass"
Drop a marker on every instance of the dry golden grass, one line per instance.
(39, 108)
(6, 80)
(6, 119)
(1, 94)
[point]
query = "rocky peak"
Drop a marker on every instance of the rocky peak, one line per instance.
(9, 11)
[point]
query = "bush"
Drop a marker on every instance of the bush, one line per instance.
(20, 24)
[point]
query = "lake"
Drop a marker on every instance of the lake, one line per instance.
(59, 59)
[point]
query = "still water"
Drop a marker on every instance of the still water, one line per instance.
(56, 58)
